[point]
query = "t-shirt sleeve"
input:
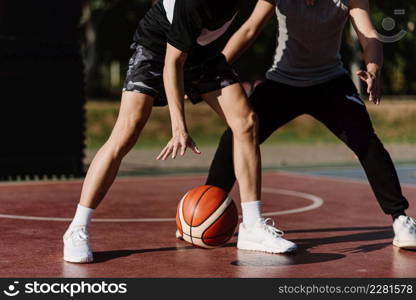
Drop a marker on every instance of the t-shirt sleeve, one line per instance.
(187, 24)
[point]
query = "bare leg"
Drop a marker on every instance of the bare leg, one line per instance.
(134, 112)
(135, 109)
(254, 233)
(232, 104)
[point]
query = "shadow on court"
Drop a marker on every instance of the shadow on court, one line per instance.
(254, 259)
(370, 234)
(302, 256)
(357, 244)
(103, 256)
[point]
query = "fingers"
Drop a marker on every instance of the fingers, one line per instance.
(165, 152)
(178, 145)
(371, 97)
(372, 86)
(172, 149)
(165, 157)
(195, 149)
(193, 146)
(377, 96)
(183, 149)
(175, 150)
(377, 90)
(183, 145)
(362, 75)
(370, 89)
(374, 96)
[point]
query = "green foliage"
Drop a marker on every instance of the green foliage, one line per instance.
(400, 62)
(393, 120)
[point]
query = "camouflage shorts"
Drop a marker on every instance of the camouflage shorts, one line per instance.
(145, 75)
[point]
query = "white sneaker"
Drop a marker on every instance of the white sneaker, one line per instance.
(76, 245)
(263, 236)
(405, 232)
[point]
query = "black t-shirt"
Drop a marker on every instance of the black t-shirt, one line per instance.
(189, 25)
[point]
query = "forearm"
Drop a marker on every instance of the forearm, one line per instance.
(174, 88)
(373, 55)
(246, 35)
(239, 43)
(367, 34)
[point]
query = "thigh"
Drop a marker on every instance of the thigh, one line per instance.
(341, 109)
(275, 105)
(135, 109)
(212, 75)
(230, 103)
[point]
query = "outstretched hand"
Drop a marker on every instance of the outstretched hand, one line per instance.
(373, 85)
(179, 142)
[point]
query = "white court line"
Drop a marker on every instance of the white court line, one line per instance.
(316, 202)
(80, 181)
(329, 178)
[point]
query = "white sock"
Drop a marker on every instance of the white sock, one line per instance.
(83, 216)
(251, 212)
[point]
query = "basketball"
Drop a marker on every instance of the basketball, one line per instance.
(206, 217)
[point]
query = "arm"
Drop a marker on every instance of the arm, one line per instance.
(174, 87)
(249, 31)
(175, 93)
(187, 24)
(372, 48)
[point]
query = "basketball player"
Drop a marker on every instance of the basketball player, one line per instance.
(308, 77)
(174, 55)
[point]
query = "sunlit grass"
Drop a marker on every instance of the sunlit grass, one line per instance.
(394, 121)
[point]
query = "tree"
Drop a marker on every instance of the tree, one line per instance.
(108, 26)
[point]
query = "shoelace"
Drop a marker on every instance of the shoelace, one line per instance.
(412, 223)
(269, 226)
(80, 234)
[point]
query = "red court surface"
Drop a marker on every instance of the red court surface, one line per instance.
(338, 225)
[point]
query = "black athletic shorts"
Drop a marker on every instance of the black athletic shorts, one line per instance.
(145, 75)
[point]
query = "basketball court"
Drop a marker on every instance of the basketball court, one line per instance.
(340, 230)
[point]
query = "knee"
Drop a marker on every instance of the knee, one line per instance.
(124, 137)
(363, 144)
(245, 126)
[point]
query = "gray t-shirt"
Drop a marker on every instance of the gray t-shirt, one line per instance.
(308, 42)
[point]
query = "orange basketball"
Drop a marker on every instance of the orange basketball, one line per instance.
(206, 217)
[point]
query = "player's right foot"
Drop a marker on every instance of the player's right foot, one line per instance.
(76, 245)
(405, 232)
(264, 237)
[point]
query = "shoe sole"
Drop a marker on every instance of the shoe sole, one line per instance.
(248, 246)
(83, 260)
(77, 259)
(411, 245)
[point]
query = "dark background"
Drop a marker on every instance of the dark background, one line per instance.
(113, 22)
(56, 54)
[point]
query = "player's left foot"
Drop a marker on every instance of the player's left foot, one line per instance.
(405, 232)
(263, 237)
(77, 247)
